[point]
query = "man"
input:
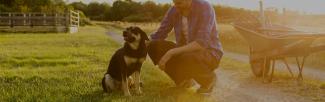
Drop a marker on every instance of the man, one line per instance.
(197, 51)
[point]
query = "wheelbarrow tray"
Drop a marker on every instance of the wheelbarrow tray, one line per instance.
(277, 42)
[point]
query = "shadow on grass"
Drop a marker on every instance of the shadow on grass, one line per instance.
(35, 88)
(167, 95)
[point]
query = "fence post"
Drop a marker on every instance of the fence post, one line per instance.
(71, 14)
(24, 19)
(44, 19)
(78, 18)
(262, 14)
(55, 19)
(10, 20)
(67, 19)
(30, 20)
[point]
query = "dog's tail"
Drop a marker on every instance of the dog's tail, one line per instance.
(104, 85)
(107, 83)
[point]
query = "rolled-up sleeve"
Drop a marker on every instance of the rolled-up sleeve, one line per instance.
(166, 25)
(207, 21)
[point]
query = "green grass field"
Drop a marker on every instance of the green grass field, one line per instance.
(69, 67)
(231, 40)
(53, 67)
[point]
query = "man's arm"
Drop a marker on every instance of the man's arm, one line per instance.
(201, 41)
(166, 25)
(202, 38)
(193, 46)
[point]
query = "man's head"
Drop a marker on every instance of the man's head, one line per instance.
(183, 5)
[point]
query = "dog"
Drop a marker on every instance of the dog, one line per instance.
(127, 61)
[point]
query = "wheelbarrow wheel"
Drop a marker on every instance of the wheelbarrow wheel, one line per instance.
(257, 66)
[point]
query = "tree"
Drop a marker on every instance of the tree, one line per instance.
(4, 8)
(7, 3)
(79, 6)
(150, 9)
(96, 10)
(32, 5)
(119, 10)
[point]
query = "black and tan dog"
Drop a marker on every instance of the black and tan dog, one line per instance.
(127, 61)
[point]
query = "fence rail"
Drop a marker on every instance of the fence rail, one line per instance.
(56, 22)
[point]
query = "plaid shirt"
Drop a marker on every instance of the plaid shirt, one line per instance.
(202, 27)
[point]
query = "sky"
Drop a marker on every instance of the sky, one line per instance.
(308, 6)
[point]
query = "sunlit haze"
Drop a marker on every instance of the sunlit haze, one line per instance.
(308, 6)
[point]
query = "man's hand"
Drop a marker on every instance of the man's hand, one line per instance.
(194, 46)
(165, 58)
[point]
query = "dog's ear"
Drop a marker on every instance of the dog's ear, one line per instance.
(143, 34)
(145, 37)
(128, 28)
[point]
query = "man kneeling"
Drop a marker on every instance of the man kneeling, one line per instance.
(197, 51)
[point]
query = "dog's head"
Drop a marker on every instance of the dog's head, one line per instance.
(134, 35)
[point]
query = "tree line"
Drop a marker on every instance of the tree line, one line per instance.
(119, 10)
(32, 6)
(148, 11)
(123, 10)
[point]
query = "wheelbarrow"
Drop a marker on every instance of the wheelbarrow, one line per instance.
(270, 42)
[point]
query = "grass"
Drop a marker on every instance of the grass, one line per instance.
(52, 67)
(308, 89)
(231, 40)
(69, 67)
(149, 28)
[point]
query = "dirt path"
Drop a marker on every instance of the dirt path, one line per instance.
(309, 72)
(234, 86)
(116, 37)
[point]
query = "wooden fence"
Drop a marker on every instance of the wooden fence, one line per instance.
(39, 22)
